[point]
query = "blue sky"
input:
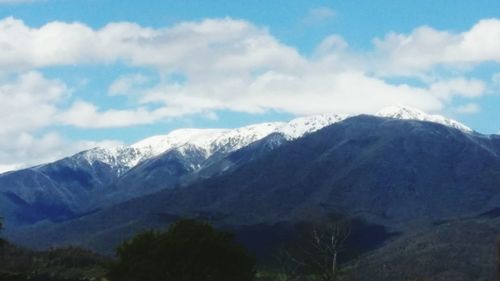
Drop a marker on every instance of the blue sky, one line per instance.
(80, 73)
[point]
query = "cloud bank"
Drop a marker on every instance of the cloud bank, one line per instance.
(226, 64)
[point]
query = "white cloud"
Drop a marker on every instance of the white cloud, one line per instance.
(223, 45)
(86, 115)
(426, 48)
(470, 108)
(29, 102)
(447, 89)
(307, 93)
(232, 65)
(235, 65)
(229, 46)
(227, 65)
(26, 150)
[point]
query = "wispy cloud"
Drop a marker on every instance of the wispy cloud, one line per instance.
(233, 65)
(27, 150)
(226, 65)
(318, 15)
(128, 84)
(12, 2)
(470, 108)
(29, 102)
(425, 48)
(495, 78)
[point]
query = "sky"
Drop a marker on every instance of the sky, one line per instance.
(75, 74)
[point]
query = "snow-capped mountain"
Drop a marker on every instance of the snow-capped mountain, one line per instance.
(389, 172)
(210, 141)
(206, 141)
(118, 158)
(102, 177)
(408, 113)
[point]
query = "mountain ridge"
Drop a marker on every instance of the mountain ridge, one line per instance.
(390, 172)
(125, 157)
(100, 177)
(410, 183)
(207, 139)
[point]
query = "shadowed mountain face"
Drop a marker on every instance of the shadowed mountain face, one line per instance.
(461, 250)
(384, 169)
(395, 173)
(102, 177)
(56, 191)
(75, 186)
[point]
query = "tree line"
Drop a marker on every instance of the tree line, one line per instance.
(189, 250)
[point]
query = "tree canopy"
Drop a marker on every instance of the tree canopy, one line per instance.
(188, 251)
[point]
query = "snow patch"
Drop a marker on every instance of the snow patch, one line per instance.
(209, 141)
(408, 113)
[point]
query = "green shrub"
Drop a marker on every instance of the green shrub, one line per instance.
(188, 251)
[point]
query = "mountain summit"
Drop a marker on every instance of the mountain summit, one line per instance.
(209, 141)
(393, 173)
(407, 113)
(101, 177)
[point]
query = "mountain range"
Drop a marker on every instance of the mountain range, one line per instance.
(400, 170)
(101, 177)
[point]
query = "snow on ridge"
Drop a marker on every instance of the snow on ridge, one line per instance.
(304, 125)
(197, 137)
(210, 141)
(121, 158)
(235, 139)
(207, 141)
(408, 113)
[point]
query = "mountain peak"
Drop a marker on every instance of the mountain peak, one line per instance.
(206, 141)
(304, 125)
(210, 141)
(408, 113)
(158, 144)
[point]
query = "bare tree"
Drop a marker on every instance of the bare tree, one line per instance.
(319, 248)
(289, 268)
(326, 242)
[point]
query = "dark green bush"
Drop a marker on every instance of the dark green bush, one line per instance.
(188, 251)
